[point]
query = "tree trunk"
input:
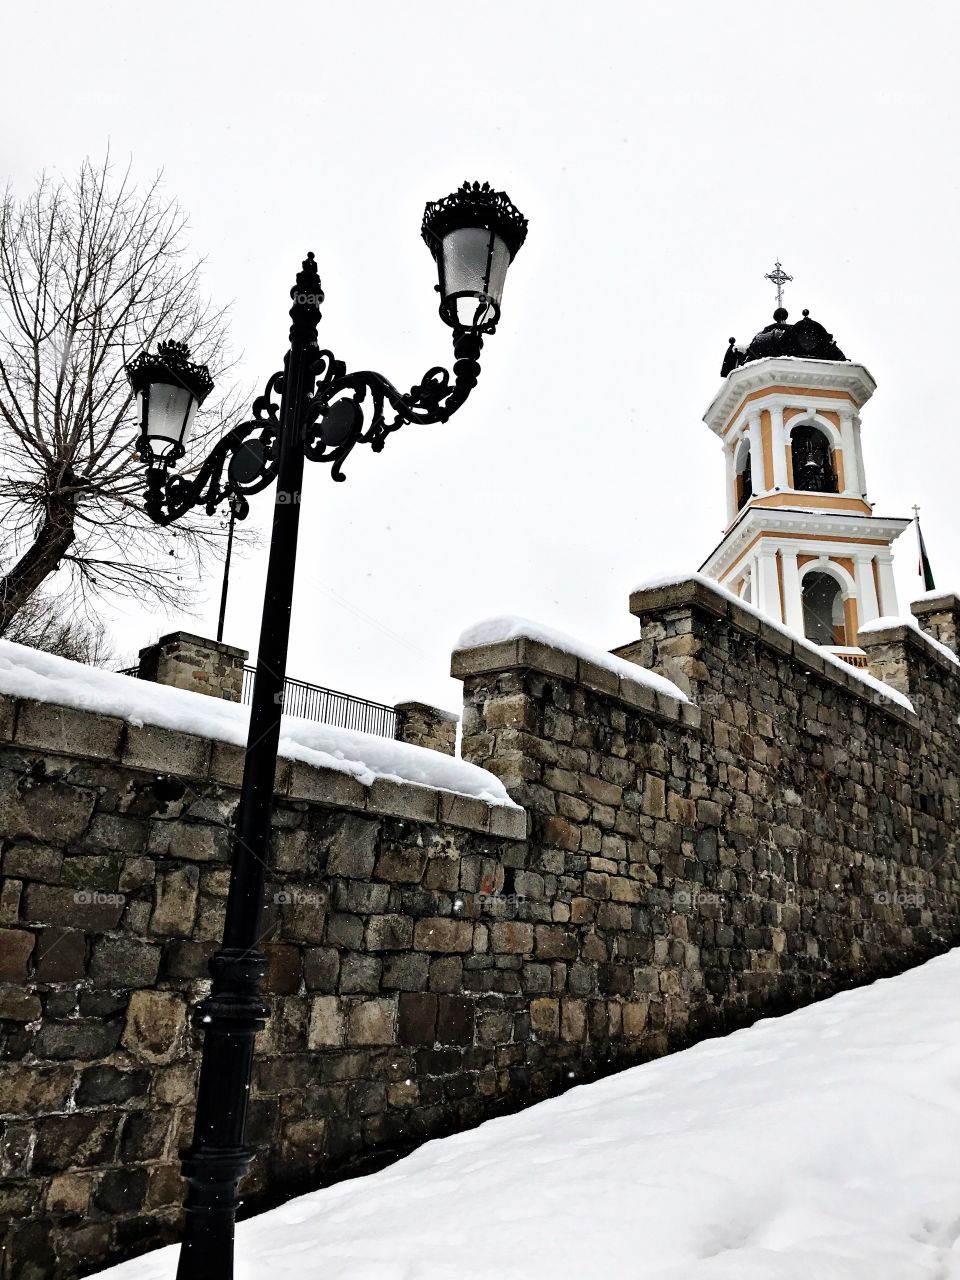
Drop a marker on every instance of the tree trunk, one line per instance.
(41, 558)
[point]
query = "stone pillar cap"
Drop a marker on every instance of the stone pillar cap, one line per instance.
(189, 637)
(935, 602)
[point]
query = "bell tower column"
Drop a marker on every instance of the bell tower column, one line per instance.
(866, 587)
(758, 471)
(792, 598)
(853, 484)
(779, 446)
(768, 584)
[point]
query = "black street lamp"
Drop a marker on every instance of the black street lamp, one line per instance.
(324, 411)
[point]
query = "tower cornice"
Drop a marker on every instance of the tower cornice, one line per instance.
(787, 371)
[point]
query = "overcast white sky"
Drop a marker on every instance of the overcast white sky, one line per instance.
(665, 154)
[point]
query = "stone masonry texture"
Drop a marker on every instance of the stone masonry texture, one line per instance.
(677, 870)
(192, 662)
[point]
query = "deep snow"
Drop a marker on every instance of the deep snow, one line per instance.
(818, 1146)
(30, 673)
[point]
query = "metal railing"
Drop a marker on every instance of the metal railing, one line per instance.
(329, 706)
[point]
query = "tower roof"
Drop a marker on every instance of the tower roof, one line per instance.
(806, 339)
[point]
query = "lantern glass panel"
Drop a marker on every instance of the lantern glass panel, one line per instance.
(170, 413)
(475, 263)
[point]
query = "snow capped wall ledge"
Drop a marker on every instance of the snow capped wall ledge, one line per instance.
(697, 590)
(51, 703)
(506, 643)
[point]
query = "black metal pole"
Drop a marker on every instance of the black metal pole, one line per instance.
(226, 572)
(234, 1012)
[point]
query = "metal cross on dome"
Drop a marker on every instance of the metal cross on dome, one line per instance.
(778, 277)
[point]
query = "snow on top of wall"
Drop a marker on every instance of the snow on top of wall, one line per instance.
(819, 1144)
(908, 620)
(672, 580)
(508, 627)
(935, 594)
(30, 673)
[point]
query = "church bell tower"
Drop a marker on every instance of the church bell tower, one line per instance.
(802, 543)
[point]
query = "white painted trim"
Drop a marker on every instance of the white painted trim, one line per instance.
(792, 597)
(837, 571)
(790, 372)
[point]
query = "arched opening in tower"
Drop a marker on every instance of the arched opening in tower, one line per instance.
(823, 620)
(813, 469)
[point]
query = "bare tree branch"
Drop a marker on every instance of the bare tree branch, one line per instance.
(91, 272)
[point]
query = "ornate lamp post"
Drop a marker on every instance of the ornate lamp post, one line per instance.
(323, 413)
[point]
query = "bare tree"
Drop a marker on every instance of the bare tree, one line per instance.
(91, 272)
(40, 624)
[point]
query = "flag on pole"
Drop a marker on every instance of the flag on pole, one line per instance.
(924, 570)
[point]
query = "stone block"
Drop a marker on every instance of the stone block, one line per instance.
(17, 1005)
(16, 948)
(403, 800)
(401, 864)
(103, 1084)
(325, 786)
(353, 849)
(406, 971)
(511, 937)
(80, 1140)
(124, 962)
(389, 933)
(327, 1024)
(416, 1018)
(508, 821)
(166, 751)
(69, 1193)
(155, 1025)
(48, 811)
(573, 1021)
(462, 811)
(48, 727)
(33, 862)
(8, 717)
(175, 903)
(60, 955)
(373, 1022)
(283, 970)
(545, 1016)
(321, 968)
(455, 1019)
(360, 974)
(443, 934)
(84, 908)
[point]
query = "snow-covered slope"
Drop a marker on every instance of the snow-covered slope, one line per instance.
(820, 1146)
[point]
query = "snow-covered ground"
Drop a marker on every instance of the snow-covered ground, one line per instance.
(820, 1146)
(31, 673)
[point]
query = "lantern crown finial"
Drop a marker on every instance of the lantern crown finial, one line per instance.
(475, 204)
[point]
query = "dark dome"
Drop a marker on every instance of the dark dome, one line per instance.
(806, 339)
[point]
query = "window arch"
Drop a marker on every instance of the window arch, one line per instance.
(812, 457)
(823, 614)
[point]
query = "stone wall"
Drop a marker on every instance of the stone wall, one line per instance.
(680, 869)
(387, 1023)
(792, 833)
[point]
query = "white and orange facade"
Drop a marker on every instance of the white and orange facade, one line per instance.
(779, 536)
